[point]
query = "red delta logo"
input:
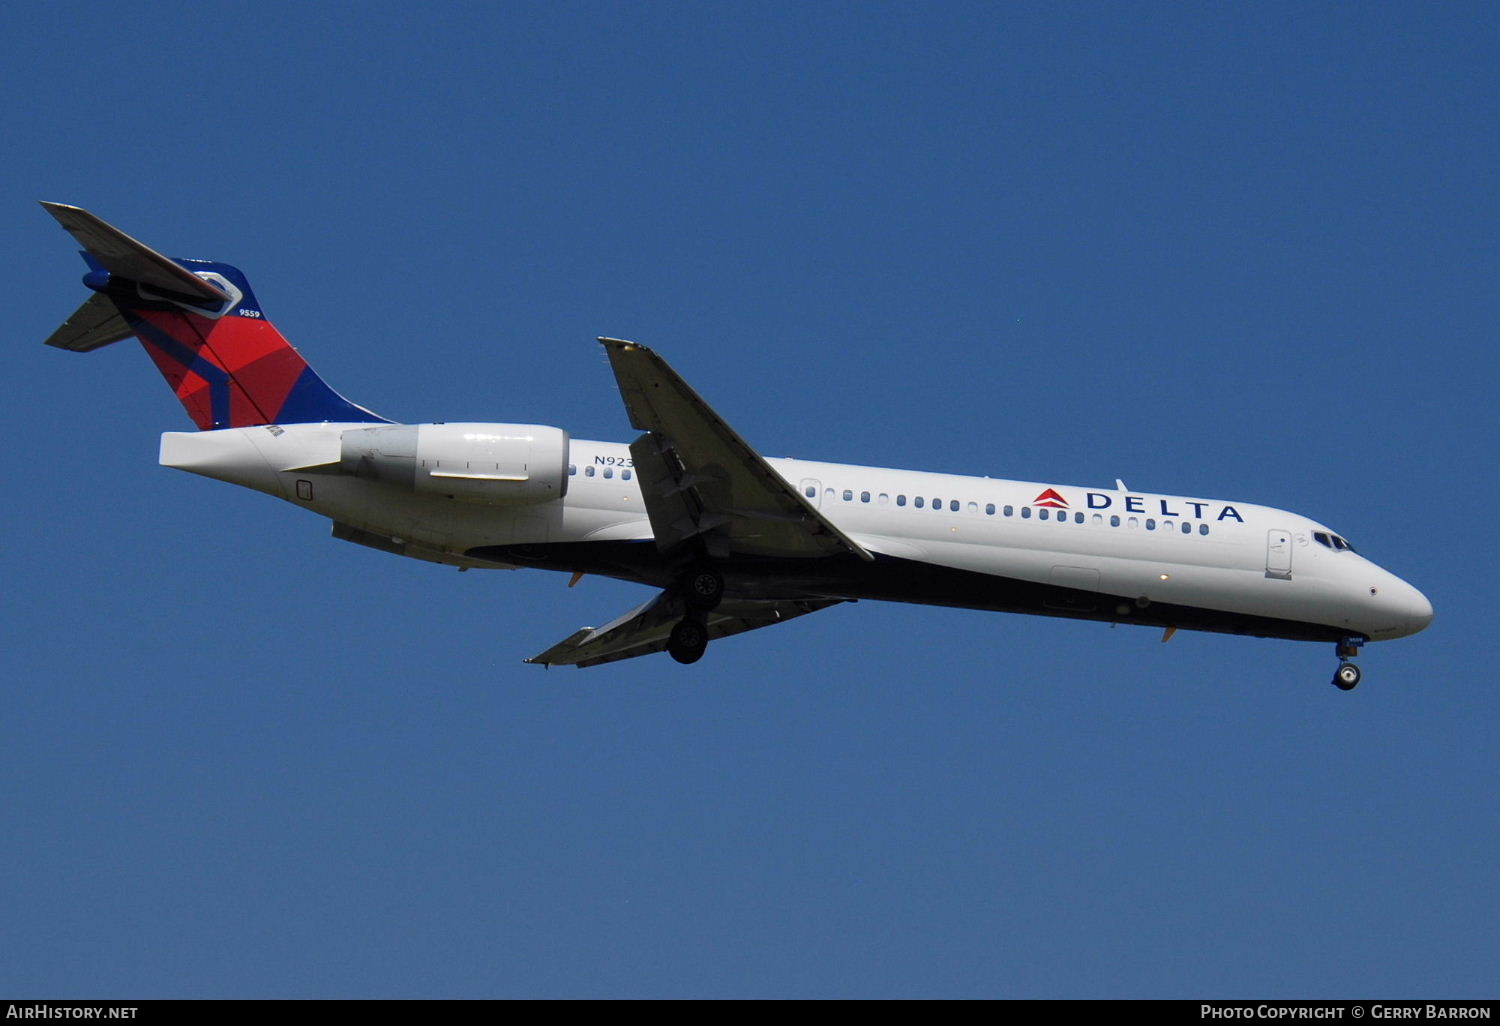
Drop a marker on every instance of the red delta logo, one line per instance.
(1051, 499)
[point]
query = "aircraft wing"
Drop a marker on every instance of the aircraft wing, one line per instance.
(644, 630)
(701, 480)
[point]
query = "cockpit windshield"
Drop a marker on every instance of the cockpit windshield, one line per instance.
(1332, 541)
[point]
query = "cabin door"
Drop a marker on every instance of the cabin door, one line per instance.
(1279, 555)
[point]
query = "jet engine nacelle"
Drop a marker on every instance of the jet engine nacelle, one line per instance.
(493, 464)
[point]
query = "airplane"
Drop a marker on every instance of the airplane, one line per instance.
(731, 541)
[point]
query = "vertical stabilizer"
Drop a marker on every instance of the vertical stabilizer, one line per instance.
(201, 325)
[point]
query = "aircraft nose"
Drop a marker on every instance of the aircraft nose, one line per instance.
(1405, 609)
(1418, 612)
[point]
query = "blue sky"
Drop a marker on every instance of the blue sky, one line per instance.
(1233, 250)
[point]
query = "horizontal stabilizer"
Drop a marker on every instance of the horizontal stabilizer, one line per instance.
(124, 257)
(94, 324)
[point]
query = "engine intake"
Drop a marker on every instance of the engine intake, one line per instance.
(491, 464)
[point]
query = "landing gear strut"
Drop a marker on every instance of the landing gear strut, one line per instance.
(702, 589)
(1346, 677)
(688, 640)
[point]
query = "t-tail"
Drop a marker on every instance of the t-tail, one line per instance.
(201, 325)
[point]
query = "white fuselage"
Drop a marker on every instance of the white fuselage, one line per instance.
(1100, 553)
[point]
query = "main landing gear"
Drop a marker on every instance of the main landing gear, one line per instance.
(1346, 677)
(688, 640)
(702, 589)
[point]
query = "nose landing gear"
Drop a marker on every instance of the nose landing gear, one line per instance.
(1347, 676)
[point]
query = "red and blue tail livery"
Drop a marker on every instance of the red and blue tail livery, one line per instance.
(202, 326)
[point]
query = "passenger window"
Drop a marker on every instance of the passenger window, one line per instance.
(989, 509)
(900, 500)
(974, 507)
(1043, 513)
(1008, 510)
(864, 496)
(1133, 522)
(1098, 520)
(625, 475)
(1187, 528)
(1150, 524)
(1077, 518)
(848, 494)
(918, 502)
(953, 505)
(588, 471)
(937, 504)
(1202, 528)
(884, 498)
(1025, 512)
(1114, 520)
(572, 469)
(609, 471)
(811, 491)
